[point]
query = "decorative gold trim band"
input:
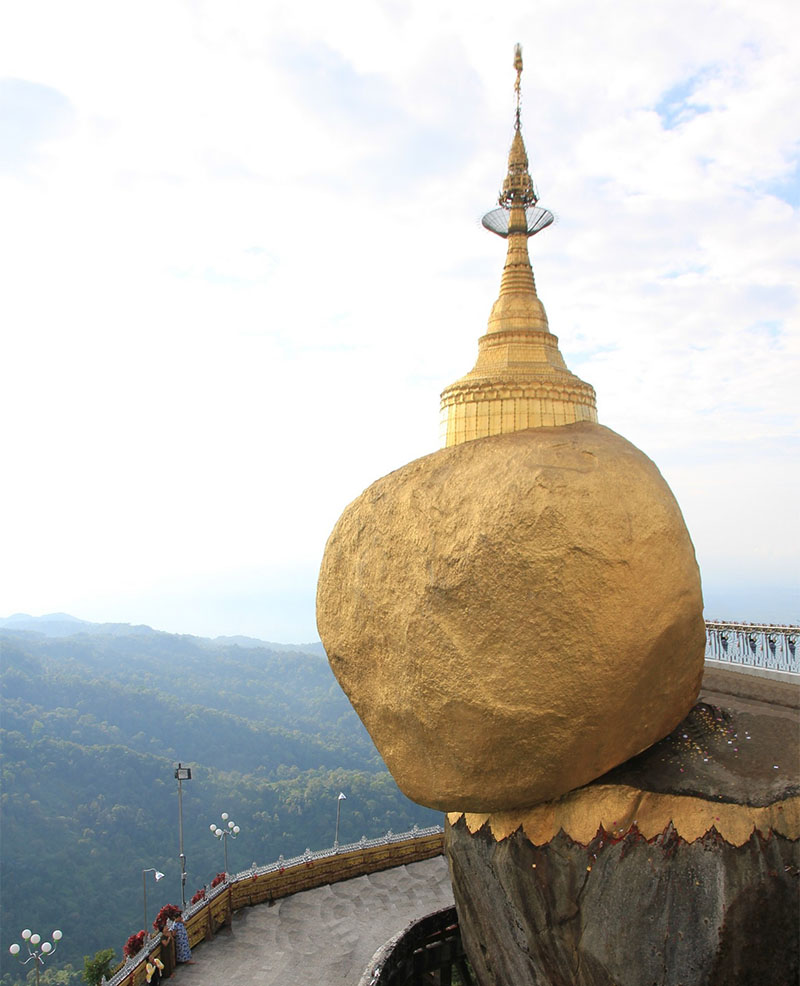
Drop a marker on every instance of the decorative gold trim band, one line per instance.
(494, 390)
(618, 809)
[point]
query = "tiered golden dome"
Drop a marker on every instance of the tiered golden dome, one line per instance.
(520, 379)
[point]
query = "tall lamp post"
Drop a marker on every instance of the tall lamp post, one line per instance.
(37, 949)
(159, 876)
(231, 830)
(342, 797)
(182, 774)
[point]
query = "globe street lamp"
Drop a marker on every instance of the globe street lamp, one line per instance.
(159, 876)
(231, 830)
(37, 949)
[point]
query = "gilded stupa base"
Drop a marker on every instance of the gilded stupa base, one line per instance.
(478, 408)
(519, 381)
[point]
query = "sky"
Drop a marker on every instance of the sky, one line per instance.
(241, 256)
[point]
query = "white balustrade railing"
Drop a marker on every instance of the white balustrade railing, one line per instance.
(769, 646)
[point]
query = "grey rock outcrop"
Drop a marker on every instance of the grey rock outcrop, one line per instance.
(624, 907)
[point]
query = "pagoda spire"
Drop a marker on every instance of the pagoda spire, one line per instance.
(520, 379)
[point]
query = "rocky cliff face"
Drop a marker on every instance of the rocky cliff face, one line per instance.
(627, 912)
(680, 867)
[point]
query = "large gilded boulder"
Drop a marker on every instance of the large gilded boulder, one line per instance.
(513, 616)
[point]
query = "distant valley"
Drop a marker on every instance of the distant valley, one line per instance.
(94, 718)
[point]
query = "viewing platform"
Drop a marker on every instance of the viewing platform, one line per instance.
(326, 935)
(319, 917)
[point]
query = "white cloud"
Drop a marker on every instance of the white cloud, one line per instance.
(245, 259)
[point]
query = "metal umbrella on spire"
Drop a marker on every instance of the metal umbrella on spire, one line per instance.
(518, 198)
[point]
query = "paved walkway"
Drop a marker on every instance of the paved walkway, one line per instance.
(320, 937)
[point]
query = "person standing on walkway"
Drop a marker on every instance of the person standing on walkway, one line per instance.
(183, 954)
(167, 951)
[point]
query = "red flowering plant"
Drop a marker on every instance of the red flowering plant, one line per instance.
(169, 912)
(218, 879)
(134, 944)
(198, 896)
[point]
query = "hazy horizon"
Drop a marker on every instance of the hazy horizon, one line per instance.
(768, 611)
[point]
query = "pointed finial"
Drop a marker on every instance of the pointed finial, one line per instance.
(518, 187)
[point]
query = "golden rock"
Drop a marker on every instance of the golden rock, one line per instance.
(515, 615)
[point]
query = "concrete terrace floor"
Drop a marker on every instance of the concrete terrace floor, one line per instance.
(319, 937)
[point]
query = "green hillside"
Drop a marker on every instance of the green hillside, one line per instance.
(92, 726)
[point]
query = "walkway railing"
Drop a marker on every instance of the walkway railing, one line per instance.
(284, 877)
(769, 646)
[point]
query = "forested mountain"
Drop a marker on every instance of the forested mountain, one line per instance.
(93, 723)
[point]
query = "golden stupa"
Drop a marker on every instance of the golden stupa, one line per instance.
(520, 379)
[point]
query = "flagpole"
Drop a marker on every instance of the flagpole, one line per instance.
(342, 797)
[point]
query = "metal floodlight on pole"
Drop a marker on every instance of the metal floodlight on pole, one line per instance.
(159, 876)
(342, 797)
(182, 774)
